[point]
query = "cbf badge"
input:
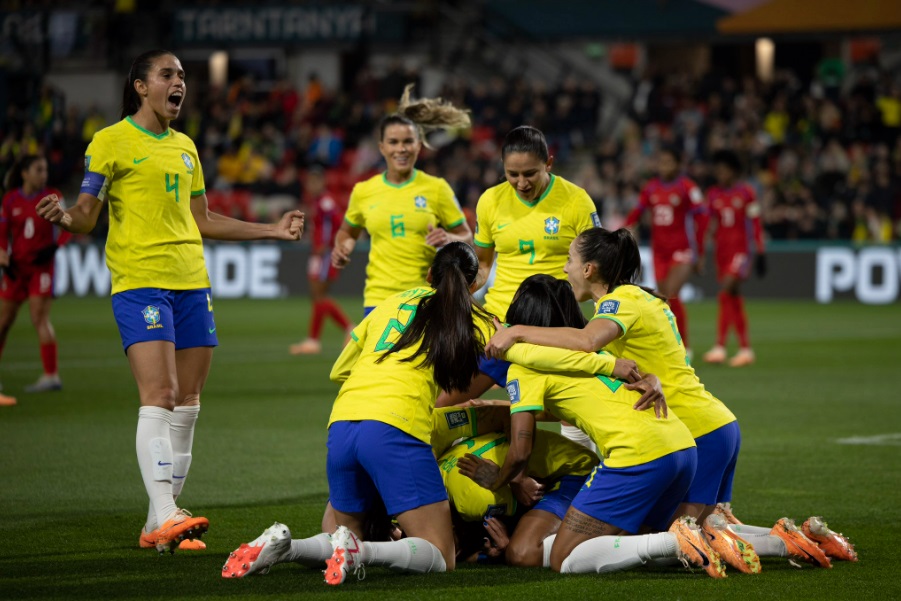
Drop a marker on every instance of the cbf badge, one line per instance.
(419, 201)
(151, 316)
(552, 225)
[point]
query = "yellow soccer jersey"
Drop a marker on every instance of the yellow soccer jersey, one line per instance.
(530, 238)
(397, 217)
(398, 393)
(651, 339)
(552, 458)
(450, 424)
(148, 181)
(602, 408)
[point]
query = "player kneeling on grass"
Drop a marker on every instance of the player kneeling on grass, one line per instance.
(557, 465)
(649, 458)
(380, 428)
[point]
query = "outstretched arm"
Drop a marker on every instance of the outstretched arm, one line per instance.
(79, 219)
(219, 227)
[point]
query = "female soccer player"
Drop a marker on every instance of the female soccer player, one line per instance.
(327, 218)
(381, 425)
(633, 322)
(734, 207)
(407, 213)
(675, 202)
(28, 268)
(648, 458)
(151, 177)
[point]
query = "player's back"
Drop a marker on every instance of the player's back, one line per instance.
(672, 204)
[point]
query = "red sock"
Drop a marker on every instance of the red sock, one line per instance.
(334, 311)
(678, 309)
(741, 320)
(48, 358)
(725, 318)
(316, 320)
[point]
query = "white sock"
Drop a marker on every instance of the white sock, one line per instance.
(578, 437)
(311, 551)
(767, 545)
(746, 529)
(182, 434)
(415, 555)
(547, 545)
(614, 553)
(154, 449)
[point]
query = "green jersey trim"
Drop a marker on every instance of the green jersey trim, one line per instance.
(526, 408)
(351, 222)
(147, 131)
(455, 224)
(540, 198)
(611, 318)
(198, 192)
(400, 185)
(482, 244)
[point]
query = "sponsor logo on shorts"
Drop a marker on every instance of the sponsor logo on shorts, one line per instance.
(513, 391)
(457, 419)
(152, 317)
(608, 307)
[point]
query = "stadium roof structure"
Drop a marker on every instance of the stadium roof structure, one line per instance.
(808, 16)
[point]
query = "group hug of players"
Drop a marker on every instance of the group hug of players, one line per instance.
(421, 476)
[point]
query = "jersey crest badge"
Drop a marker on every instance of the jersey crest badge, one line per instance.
(419, 201)
(608, 307)
(188, 162)
(457, 419)
(513, 391)
(595, 220)
(151, 315)
(552, 225)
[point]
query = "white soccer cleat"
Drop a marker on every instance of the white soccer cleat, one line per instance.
(347, 556)
(260, 554)
(717, 354)
(46, 384)
(742, 358)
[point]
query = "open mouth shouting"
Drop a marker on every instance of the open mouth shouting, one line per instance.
(174, 100)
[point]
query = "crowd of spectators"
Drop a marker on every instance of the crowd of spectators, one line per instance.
(825, 159)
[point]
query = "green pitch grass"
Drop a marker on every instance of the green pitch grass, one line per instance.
(72, 504)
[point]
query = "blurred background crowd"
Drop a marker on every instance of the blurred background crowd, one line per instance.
(821, 147)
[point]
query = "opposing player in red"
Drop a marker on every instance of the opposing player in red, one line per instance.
(27, 247)
(733, 206)
(676, 203)
(327, 217)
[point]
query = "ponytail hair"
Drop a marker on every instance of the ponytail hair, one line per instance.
(13, 178)
(614, 254)
(425, 115)
(527, 139)
(131, 101)
(544, 301)
(444, 324)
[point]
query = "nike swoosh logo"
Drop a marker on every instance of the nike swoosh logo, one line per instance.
(502, 226)
(212, 330)
(701, 553)
(160, 463)
(138, 161)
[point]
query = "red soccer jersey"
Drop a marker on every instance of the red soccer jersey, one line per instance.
(23, 229)
(737, 214)
(327, 218)
(673, 205)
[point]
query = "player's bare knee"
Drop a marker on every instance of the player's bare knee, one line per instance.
(522, 555)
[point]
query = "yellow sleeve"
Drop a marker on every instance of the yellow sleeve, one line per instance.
(354, 214)
(450, 424)
(547, 358)
(525, 389)
(449, 213)
(623, 311)
(352, 351)
(198, 186)
(586, 214)
(482, 236)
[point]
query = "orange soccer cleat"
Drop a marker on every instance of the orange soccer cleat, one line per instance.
(7, 401)
(742, 358)
(310, 346)
(693, 548)
(147, 540)
(717, 354)
(798, 545)
(834, 544)
(182, 525)
(259, 555)
(725, 510)
(347, 556)
(733, 549)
